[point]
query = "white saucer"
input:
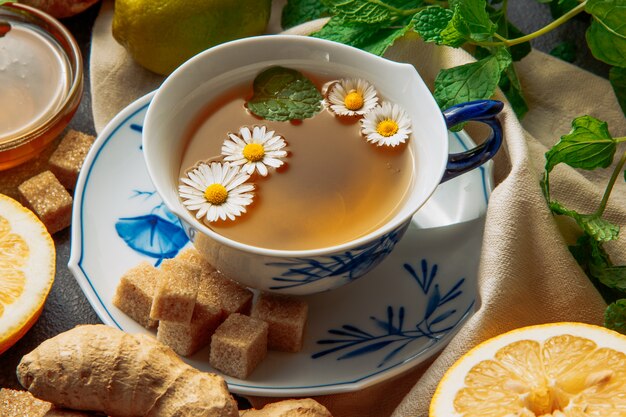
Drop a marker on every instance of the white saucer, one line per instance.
(383, 324)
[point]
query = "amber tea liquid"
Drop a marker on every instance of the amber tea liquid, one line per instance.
(333, 188)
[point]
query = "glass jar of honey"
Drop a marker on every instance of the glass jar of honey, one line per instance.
(41, 81)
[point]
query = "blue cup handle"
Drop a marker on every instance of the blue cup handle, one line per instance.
(484, 111)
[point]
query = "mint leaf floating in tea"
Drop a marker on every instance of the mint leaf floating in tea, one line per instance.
(387, 124)
(282, 94)
(351, 97)
(254, 150)
(216, 192)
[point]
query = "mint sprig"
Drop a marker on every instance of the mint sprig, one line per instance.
(589, 145)
(481, 25)
(282, 94)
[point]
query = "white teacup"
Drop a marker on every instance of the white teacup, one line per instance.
(206, 76)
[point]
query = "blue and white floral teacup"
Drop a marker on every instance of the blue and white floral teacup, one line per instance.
(209, 74)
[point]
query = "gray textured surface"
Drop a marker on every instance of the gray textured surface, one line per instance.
(66, 306)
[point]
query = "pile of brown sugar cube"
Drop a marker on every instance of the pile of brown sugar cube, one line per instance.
(46, 193)
(193, 305)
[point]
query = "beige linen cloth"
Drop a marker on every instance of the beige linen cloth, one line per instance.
(527, 275)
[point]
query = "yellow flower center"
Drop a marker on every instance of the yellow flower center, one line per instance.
(216, 194)
(353, 100)
(387, 128)
(254, 152)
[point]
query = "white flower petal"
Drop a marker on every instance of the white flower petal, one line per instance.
(230, 176)
(245, 134)
(260, 166)
(273, 162)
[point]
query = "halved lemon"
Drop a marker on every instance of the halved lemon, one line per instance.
(558, 370)
(27, 266)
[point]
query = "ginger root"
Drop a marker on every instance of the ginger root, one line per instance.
(306, 407)
(99, 368)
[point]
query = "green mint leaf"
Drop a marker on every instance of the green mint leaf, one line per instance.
(474, 81)
(283, 94)
(430, 22)
(450, 36)
(617, 76)
(512, 89)
(615, 316)
(606, 36)
(599, 229)
(613, 277)
(296, 12)
(589, 145)
(372, 38)
(382, 39)
(370, 11)
(471, 20)
(593, 259)
(352, 34)
(565, 50)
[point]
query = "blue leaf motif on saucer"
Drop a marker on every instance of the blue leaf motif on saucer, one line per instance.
(349, 266)
(391, 334)
(157, 233)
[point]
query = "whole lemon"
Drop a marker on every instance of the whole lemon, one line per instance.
(162, 34)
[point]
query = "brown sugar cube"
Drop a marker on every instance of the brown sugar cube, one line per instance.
(176, 292)
(187, 338)
(66, 161)
(50, 201)
(206, 303)
(135, 292)
(21, 403)
(216, 289)
(190, 254)
(238, 345)
(15, 403)
(286, 317)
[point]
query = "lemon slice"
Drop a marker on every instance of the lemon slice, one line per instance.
(27, 266)
(558, 370)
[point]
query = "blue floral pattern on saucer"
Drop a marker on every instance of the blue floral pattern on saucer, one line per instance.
(157, 234)
(391, 333)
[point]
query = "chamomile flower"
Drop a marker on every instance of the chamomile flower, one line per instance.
(351, 97)
(216, 191)
(387, 124)
(254, 150)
